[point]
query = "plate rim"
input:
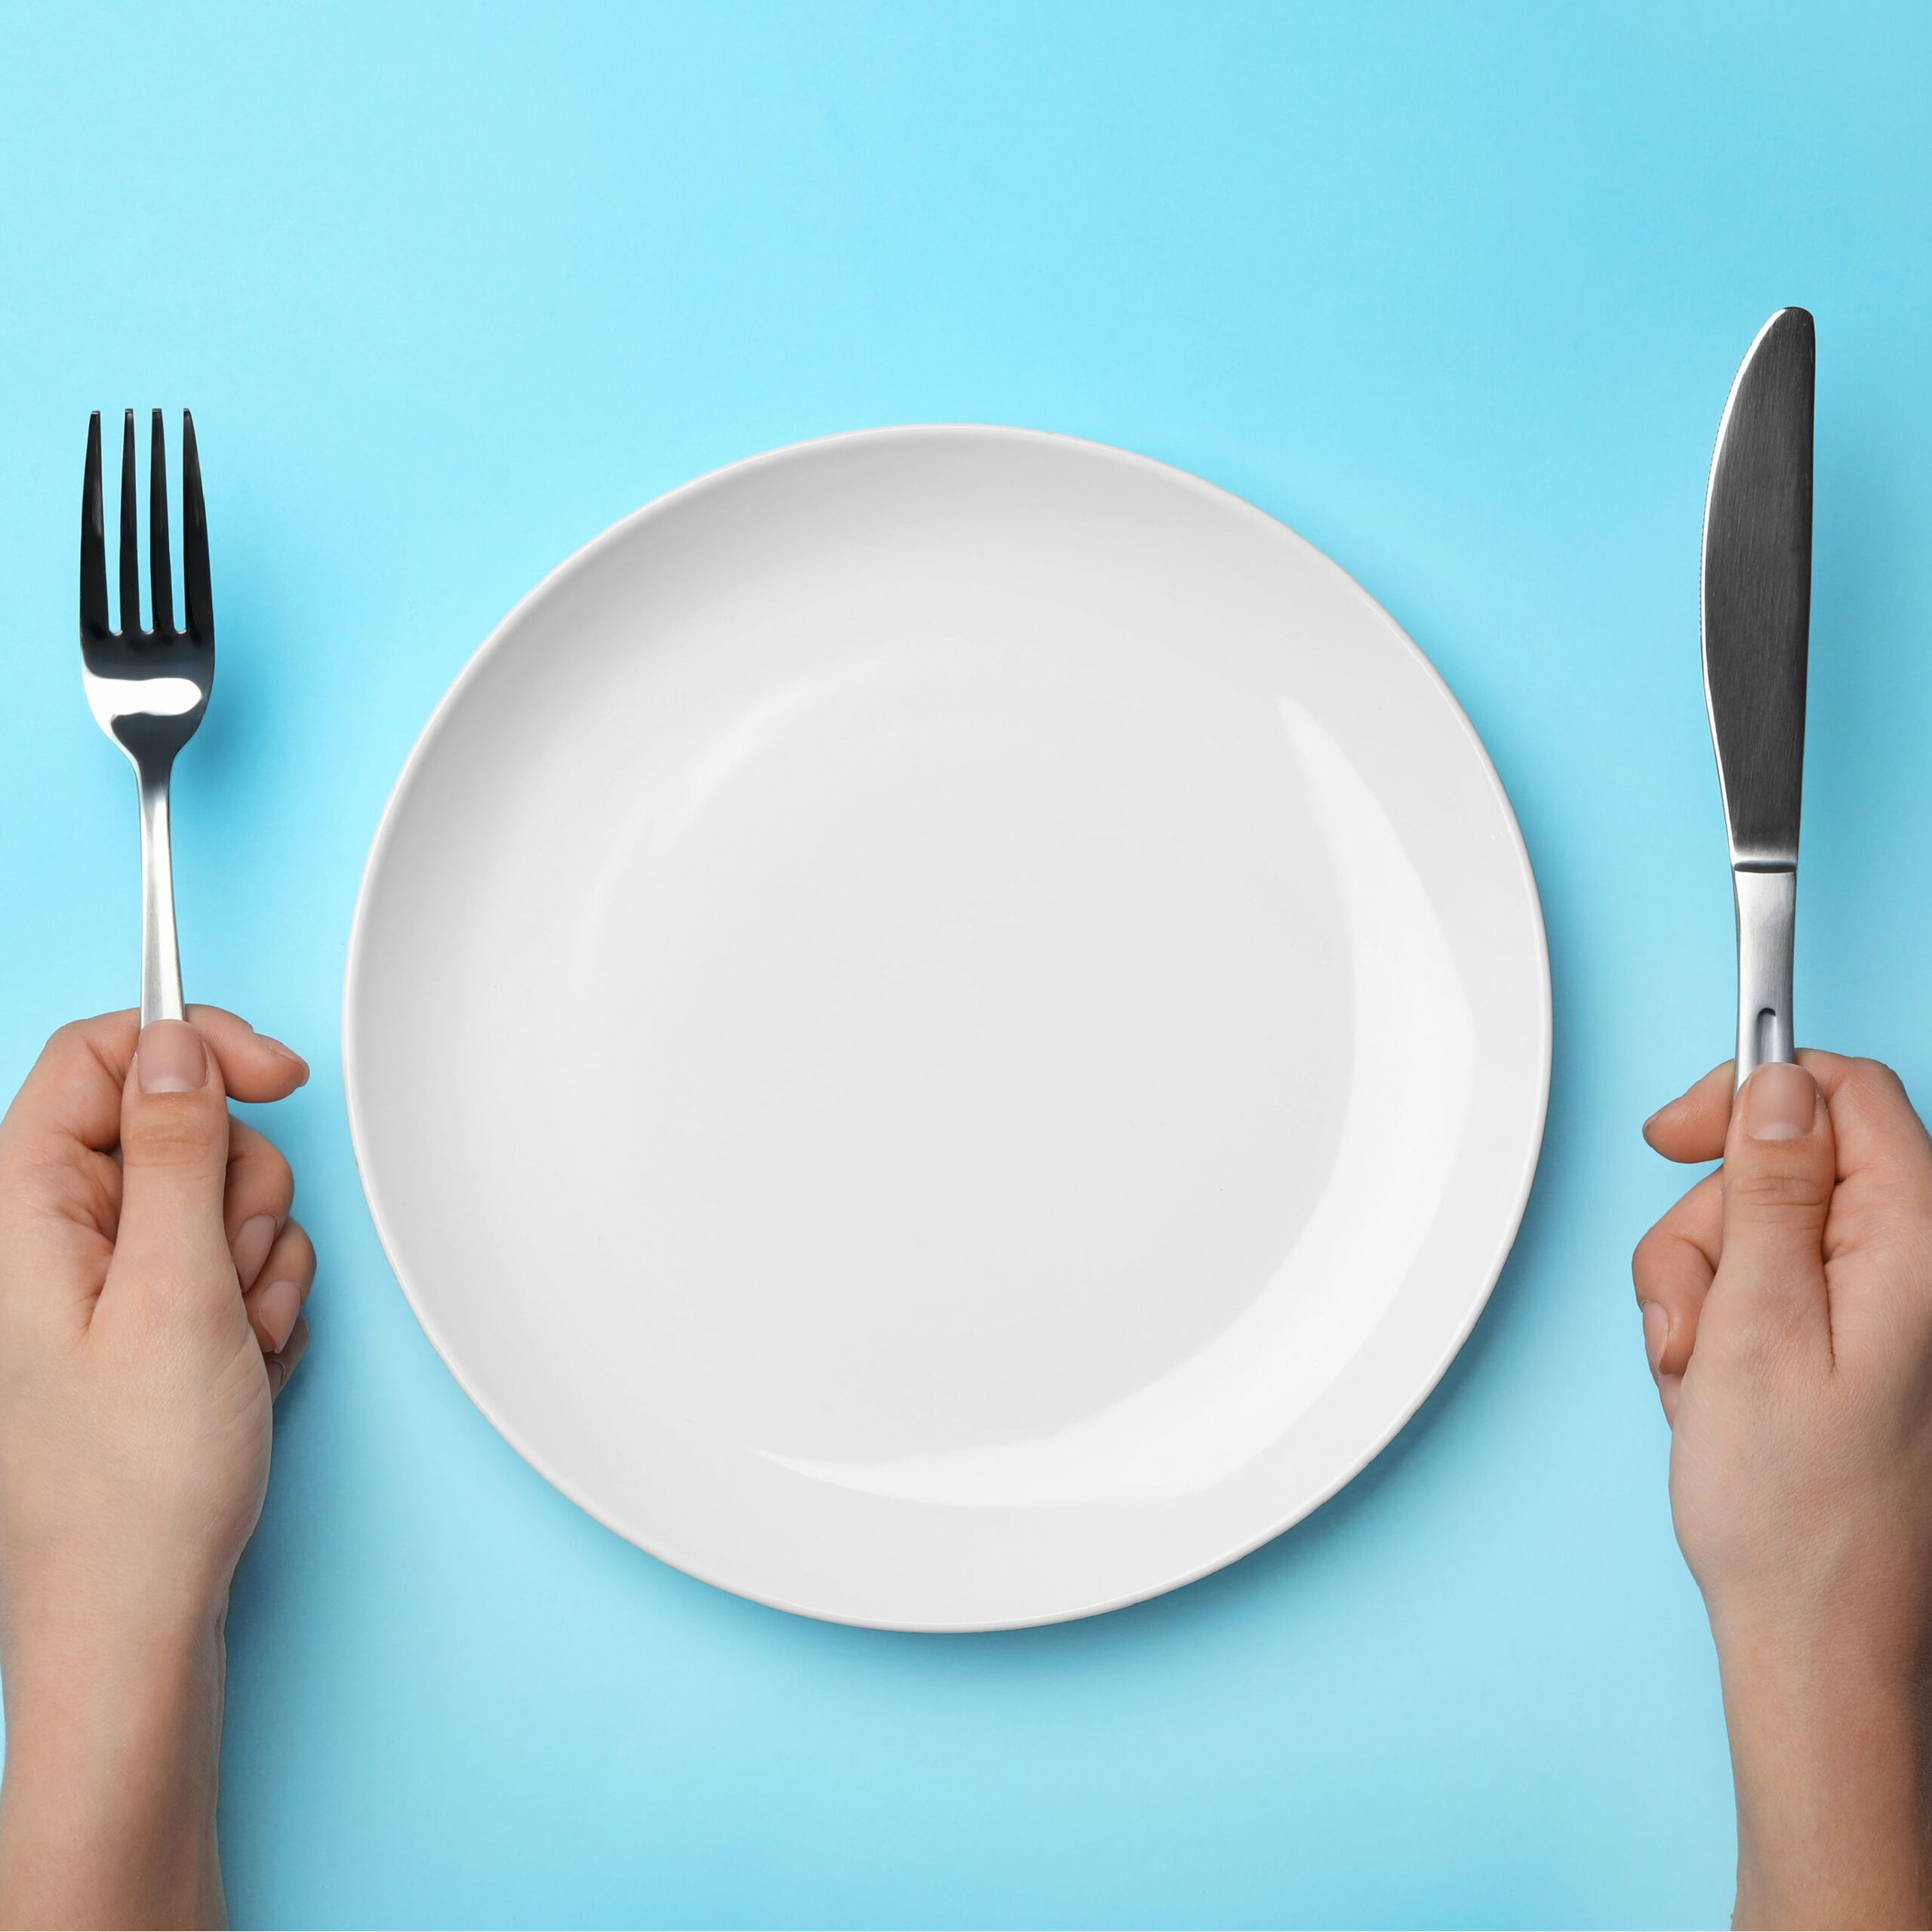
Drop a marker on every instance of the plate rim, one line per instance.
(580, 559)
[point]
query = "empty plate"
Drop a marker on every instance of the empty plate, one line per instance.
(947, 1028)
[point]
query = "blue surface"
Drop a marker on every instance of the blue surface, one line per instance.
(1457, 293)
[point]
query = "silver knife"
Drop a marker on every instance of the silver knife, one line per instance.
(1757, 621)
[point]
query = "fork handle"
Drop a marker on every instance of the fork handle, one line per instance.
(160, 955)
(1767, 921)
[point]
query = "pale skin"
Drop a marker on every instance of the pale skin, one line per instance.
(1787, 1308)
(151, 1291)
(150, 1288)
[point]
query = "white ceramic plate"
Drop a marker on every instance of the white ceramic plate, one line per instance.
(948, 1028)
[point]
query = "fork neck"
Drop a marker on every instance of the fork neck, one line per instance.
(161, 955)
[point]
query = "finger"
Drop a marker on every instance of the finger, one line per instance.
(1878, 1130)
(172, 1245)
(282, 1366)
(60, 1188)
(275, 1302)
(255, 1067)
(1672, 1271)
(260, 1190)
(1692, 1127)
(73, 1093)
(1780, 1165)
(72, 1096)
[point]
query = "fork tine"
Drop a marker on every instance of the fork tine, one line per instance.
(130, 547)
(94, 541)
(160, 574)
(195, 593)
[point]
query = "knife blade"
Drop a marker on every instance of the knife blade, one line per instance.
(1757, 622)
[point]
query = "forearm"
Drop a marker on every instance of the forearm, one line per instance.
(107, 1811)
(1827, 1753)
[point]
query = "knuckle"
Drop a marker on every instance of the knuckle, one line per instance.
(301, 1258)
(65, 1046)
(1645, 1260)
(86, 1191)
(259, 1168)
(86, 1038)
(1872, 1080)
(168, 1136)
(1792, 1191)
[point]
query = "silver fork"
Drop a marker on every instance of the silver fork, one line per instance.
(148, 689)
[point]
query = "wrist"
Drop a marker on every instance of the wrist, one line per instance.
(99, 1668)
(113, 1740)
(77, 1632)
(1828, 1754)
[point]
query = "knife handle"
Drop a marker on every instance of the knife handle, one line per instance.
(1767, 920)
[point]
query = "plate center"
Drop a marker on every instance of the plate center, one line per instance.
(962, 984)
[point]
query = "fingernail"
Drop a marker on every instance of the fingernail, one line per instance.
(286, 1052)
(277, 1378)
(277, 1307)
(170, 1058)
(252, 1243)
(1668, 1388)
(1780, 1103)
(1656, 1333)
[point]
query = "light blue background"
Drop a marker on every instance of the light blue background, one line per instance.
(1456, 292)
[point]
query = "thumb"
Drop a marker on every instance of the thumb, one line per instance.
(1780, 1163)
(171, 1241)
